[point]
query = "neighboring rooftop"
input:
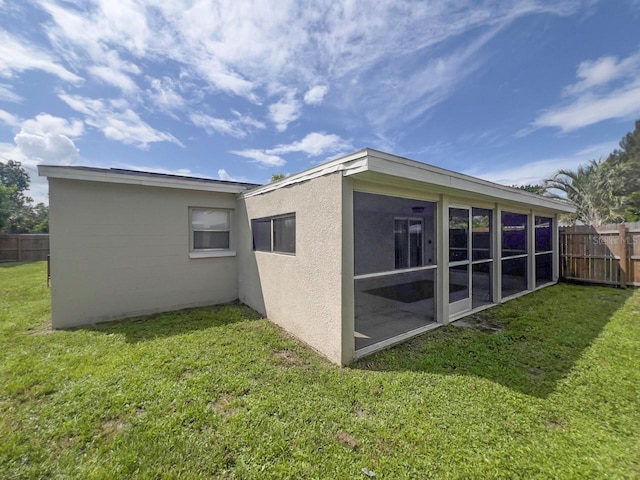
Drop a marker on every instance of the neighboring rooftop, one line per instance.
(121, 175)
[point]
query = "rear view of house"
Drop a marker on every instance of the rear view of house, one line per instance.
(349, 256)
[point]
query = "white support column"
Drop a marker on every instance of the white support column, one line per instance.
(442, 247)
(497, 254)
(531, 249)
(348, 289)
(555, 244)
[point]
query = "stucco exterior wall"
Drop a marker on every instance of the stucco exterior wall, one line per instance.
(301, 292)
(123, 250)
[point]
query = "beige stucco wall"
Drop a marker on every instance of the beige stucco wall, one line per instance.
(301, 292)
(123, 250)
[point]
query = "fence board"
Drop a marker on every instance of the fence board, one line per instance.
(23, 247)
(608, 254)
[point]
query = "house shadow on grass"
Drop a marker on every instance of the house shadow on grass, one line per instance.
(534, 341)
(160, 325)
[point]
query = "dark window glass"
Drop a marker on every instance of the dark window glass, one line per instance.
(458, 283)
(481, 233)
(261, 229)
(544, 268)
(514, 234)
(284, 234)
(482, 293)
(514, 276)
(458, 234)
(392, 233)
(543, 234)
(206, 240)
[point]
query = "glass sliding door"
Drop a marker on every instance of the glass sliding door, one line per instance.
(515, 252)
(544, 250)
(482, 256)
(395, 267)
(459, 260)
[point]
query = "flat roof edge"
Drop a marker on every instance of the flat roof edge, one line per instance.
(134, 177)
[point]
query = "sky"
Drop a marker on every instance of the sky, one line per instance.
(509, 91)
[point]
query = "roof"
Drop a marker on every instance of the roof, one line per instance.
(135, 177)
(380, 167)
(366, 164)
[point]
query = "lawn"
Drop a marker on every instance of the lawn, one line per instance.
(222, 393)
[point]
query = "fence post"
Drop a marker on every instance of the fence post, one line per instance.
(622, 238)
(19, 245)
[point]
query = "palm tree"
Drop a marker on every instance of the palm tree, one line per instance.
(590, 189)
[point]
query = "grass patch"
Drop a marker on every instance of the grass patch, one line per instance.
(221, 393)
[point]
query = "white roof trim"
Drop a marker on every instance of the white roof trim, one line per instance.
(99, 175)
(388, 164)
(369, 160)
(353, 163)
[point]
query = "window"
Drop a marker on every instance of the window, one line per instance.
(261, 229)
(544, 250)
(284, 234)
(408, 242)
(210, 229)
(515, 250)
(275, 234)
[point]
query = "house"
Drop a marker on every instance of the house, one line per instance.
(349, 256)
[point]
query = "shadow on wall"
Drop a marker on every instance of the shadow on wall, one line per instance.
(161, 325)
(528, 344)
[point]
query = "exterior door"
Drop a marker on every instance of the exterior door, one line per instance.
(459, 259)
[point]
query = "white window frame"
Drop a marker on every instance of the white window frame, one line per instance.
(211, 252)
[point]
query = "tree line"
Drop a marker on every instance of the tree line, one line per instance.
(603, 191)
(18, 213)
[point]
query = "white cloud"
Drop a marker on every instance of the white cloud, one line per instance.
(44, 124)
(314, 144)
(223, 175)
(535, 172)
(9, 118)
(117, 121)
(315, 95)
(365, 52)
(18, 55)
(114, 77)
(261, 157)
(607, 89)
(8, 95)
(285, 111)
(164, 95)
(238, 127)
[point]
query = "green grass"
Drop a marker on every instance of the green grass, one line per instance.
(222, 393)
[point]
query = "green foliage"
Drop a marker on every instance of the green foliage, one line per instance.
(605, 191)
(590, 189)
(277, 176)
(220, 393)
(537, 189)
(20, 215)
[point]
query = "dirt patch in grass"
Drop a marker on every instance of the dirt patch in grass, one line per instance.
(482, 322)
(223, 405)
(112, 427)
(288, 358)
(347, 440)
(45, 328)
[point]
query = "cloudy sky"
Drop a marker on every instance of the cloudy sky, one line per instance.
(506, 90)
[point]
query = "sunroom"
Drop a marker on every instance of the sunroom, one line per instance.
(431, 246)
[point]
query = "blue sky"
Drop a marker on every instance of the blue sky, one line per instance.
(508, 91)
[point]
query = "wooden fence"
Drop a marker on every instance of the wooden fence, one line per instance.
(23, 247)
(608, 254)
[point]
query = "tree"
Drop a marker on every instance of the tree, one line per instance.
(537, 189)
(625, 164)
(277, 176)
(590, 189)
(18, 215)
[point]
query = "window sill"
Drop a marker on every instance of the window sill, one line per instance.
(212, 254)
